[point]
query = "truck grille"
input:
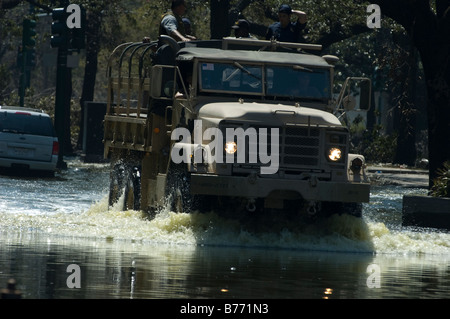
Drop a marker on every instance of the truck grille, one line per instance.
(299, 146)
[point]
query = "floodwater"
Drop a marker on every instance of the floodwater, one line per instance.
(58, 239)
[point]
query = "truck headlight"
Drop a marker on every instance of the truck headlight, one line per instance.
(334, 154)
(230, 147)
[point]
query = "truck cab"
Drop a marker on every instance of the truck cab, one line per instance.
(241, 124)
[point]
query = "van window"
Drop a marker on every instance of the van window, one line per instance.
(25, 123)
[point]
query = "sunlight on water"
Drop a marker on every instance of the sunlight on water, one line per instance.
(338, 233)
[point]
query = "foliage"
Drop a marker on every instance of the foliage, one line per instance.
(441, 184)
(374, 145)
(125, 20)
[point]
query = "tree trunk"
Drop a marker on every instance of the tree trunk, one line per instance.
(68, 148)
(92, 49)
(430, 33)
(432, 40)
(406, 112)
(219, 19)
(436, 64)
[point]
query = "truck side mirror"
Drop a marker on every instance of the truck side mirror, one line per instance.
(366, 94)
(163, 84)
(349, 103)
(156, 80)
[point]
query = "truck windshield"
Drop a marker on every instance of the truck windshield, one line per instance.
(298, 82)
(294, 82)
(231, 77)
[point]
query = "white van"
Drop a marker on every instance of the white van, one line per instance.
(28, 140)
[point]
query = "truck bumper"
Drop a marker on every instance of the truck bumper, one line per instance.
(256, 187)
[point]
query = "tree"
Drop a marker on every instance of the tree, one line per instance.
(428, 27)
(93, 21)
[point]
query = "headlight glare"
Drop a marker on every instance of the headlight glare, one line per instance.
(230, 147)
(334, 154)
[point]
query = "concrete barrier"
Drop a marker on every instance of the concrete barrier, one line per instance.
(426, 211)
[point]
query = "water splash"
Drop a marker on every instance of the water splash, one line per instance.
(342, 233)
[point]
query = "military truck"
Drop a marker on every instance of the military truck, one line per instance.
(240, 124)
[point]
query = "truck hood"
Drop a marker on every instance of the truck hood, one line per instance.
(271, 114)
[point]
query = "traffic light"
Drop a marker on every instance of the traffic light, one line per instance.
(59, 29)
(29, 32)
(31, 58)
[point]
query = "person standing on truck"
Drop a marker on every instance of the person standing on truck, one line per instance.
(187, 25)
(241, 29)
(172, 23)
(285, 30)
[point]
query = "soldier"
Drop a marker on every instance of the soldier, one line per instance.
(172, 23)
(284, 30)
(241, 29)
(187, 25)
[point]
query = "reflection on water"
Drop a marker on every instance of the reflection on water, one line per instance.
(47, 225)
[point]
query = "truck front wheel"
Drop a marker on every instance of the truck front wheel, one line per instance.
(353, 209)
(177, 190)
(132, 191)
(116, 183)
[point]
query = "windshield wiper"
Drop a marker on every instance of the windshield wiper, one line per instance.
(240, 67)
(302, 68)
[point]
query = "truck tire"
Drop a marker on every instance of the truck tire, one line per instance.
(132, 191)
(116, 182)
(177, 190)
(352, 209)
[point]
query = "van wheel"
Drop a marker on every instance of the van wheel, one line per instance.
(132, 191)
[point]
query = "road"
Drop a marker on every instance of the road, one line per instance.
(407, 177)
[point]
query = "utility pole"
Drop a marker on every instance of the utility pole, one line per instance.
(60, 40)
(67, 36)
